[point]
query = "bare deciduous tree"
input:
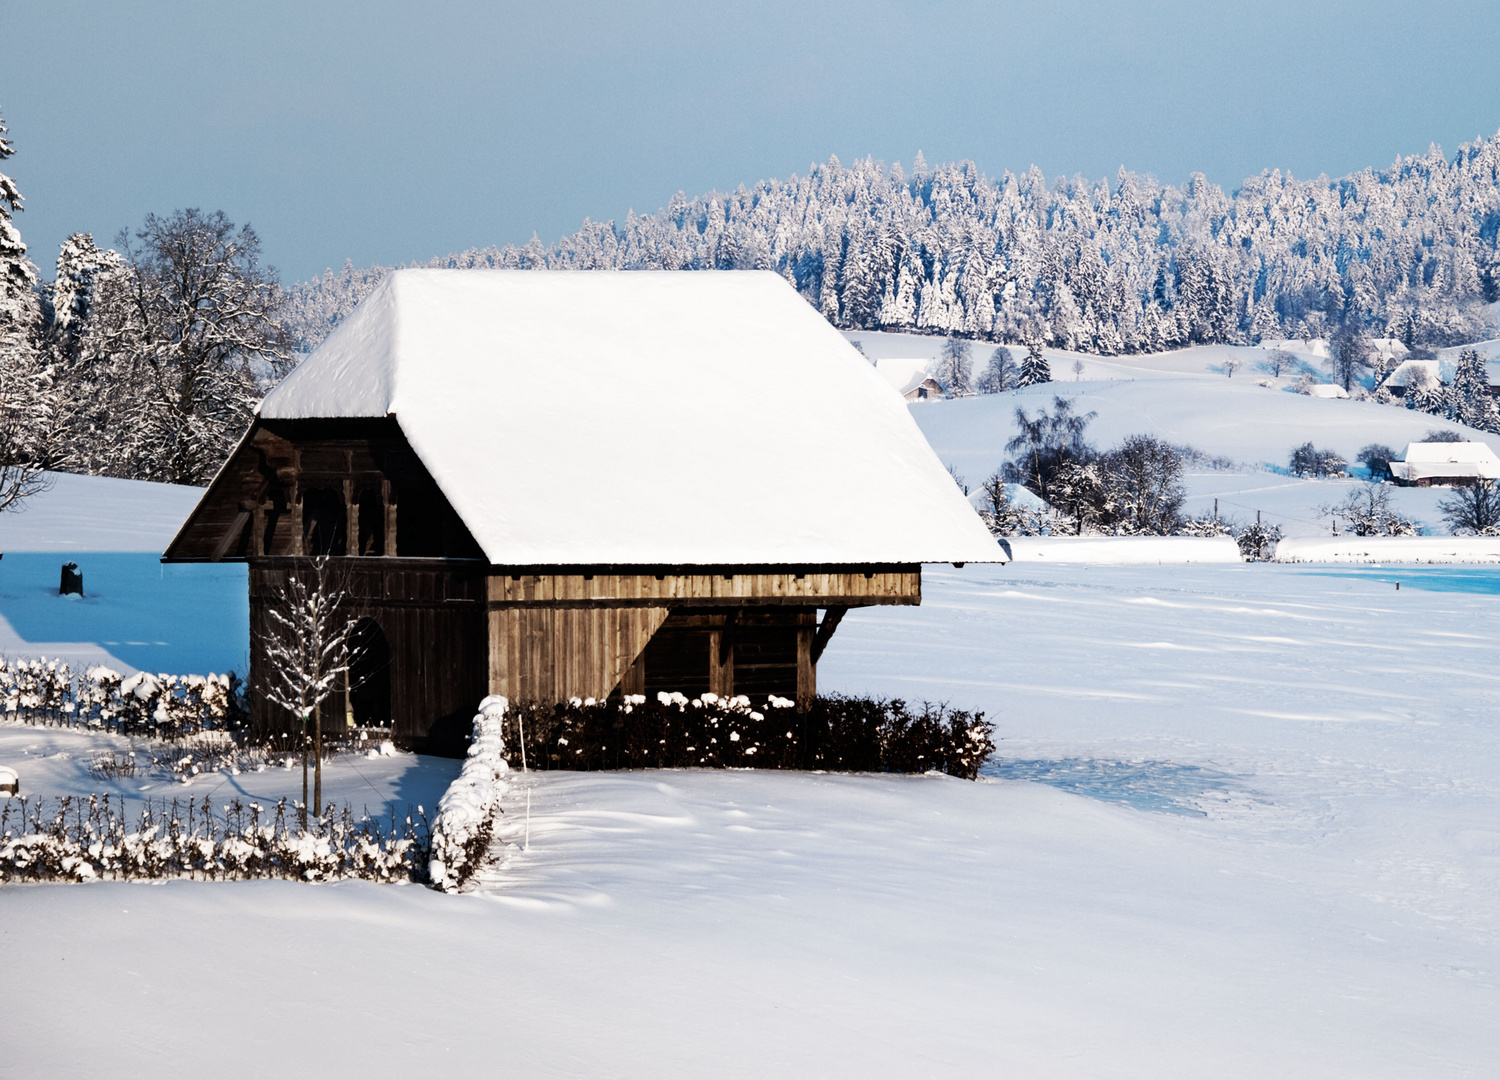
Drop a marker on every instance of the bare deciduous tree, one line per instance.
(308, 651)
(196, 318)
(1474, 509)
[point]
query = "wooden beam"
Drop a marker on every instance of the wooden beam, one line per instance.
(831, 619)
(231, 534)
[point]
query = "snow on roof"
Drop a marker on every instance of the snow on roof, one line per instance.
(641, 417)
(1406, 373)
(904, 373)
(1430, 460)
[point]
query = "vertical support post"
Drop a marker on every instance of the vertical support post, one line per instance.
(807, 674)
(721, 658)
(294, 495)
(351, 519)
(258, 529)
(388, 497)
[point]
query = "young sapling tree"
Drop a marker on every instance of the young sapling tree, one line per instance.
(309, 652)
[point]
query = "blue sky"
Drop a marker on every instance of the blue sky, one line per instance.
(394, 131)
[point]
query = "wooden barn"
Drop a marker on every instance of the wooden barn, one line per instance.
(552, 485)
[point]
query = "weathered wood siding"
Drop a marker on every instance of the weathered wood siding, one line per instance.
(554, 653)
(823, 586)
(432, 614)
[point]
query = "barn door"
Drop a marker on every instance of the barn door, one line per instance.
(370, 677)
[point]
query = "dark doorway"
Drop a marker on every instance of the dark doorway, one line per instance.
(325, 522)
(370, 677)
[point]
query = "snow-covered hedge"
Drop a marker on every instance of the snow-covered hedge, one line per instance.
(95, 838)
(838, 733)
(466, 815)
(161, 706)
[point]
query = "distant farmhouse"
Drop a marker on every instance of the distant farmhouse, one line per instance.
(1445, 463)
(554, 484)
(1431, 373)
(910, 378)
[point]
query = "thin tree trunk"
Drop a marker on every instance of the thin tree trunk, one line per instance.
(304, 770)
(317, 759)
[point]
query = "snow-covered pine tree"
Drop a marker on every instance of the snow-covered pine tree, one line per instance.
(1034, 369)
(1470, 393)
(17, 274)
(955, 369)
(25, 384)
(81, 265)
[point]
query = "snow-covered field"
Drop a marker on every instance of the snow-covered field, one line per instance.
(1184, 396)
(1244, 821)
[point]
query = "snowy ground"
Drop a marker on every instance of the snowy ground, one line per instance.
(1244, 821)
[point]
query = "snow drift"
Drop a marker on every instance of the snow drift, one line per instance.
(466, 814)
(1122, 550)
(1410, 549)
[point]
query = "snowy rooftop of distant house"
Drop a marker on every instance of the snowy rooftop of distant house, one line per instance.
(904, 373)
(1430, 460)
(1406, 372)
(639, 418)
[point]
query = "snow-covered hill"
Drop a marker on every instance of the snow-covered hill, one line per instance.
(1185, 397)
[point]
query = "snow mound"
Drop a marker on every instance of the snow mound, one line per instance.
(466, 814)
(1406, 549)
(1123, 550)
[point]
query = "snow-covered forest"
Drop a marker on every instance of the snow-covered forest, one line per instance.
(1129, 266)
(145, 360)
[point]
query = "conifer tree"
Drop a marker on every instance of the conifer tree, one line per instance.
(25, 385)
(1470, 393)
(1035, 369)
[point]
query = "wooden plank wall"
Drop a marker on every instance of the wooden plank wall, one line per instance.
(825, 586)
(554, 653)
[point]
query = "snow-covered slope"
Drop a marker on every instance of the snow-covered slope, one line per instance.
(97, 513)
(1250, 425)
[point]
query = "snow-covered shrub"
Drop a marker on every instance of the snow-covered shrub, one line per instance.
(161, 706)
(1308, 460)
(466, 815)
(96, 838)
(709, 731)
(1207, 525)
(1366, 511)
(1257, 542)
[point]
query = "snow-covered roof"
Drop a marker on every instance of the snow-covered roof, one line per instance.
(636, 418)
(1430, 460)
(1405, 373)
(904, 373)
